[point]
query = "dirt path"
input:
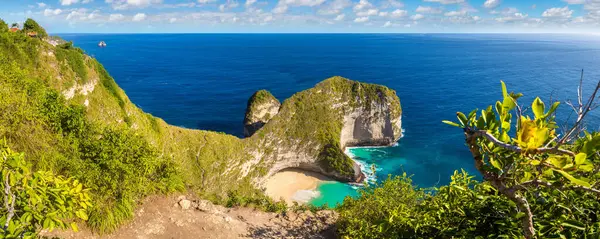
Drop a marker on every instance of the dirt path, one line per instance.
(166, 217)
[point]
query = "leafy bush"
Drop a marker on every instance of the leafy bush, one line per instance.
(35, 201)
(74, 58)
(3, 26)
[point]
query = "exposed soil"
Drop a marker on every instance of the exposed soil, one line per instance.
(177, 217)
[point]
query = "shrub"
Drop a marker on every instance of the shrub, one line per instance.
(35, 201)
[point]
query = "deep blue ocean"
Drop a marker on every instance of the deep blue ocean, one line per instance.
(203, 81)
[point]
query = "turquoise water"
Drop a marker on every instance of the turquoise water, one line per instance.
(203, 81)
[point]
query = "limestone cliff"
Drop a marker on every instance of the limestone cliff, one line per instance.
(262, 106)
(314, 126)
(309, 130)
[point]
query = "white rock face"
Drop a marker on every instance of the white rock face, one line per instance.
(374, 126)
(84, 89)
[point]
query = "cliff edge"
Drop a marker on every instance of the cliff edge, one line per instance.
(314, 126)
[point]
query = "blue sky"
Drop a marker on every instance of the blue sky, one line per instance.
(330, 16)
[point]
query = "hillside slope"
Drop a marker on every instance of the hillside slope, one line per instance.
(65, 111)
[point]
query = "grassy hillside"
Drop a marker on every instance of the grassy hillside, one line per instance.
(67, 114)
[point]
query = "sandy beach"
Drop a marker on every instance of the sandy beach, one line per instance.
(294, 185)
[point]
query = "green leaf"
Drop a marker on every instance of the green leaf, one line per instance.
(580, 158)
(586, 167)
(558, 162)
(553, 108)
(504, 91)
(496, 164)
(538, 108)
(535, 162)
(462, 118)
(450, 123)
(573, 179)
(573, 224)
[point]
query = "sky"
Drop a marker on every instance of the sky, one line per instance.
(307, 16)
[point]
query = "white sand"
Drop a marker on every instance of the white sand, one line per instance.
(294, 186)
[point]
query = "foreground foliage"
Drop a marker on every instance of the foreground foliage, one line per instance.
(39, 200)
(536, 184)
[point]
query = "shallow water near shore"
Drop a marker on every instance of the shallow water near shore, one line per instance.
(203, 81)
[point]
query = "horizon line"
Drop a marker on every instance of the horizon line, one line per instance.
(340, 33)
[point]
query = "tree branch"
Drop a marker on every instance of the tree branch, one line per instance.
(537, 182)
(582, 110)
(493, 178)
(517, 149)
(9, 202)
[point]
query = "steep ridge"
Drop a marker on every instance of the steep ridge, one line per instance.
(51, 96)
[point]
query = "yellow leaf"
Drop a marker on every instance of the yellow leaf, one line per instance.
(74, 227)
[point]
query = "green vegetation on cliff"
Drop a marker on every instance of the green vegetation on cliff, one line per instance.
(64, 111)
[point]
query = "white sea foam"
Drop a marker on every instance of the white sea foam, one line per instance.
(305, 196)
(370, 177)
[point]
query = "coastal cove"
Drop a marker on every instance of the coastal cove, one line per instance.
(203, 82)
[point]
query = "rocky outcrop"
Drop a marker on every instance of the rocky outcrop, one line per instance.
(262, 106)
(314, 126)
(375, 125)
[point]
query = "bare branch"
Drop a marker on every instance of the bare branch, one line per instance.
(580, 92)
(582, 111)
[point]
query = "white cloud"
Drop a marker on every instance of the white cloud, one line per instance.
(491, 3)
(334, 7)
(361, 19)
(506, 11)
(455, 13)
(392, 3)
(512, 17)
(339, 17)
(283, 5)
(280, 9)
(139, 17)
(128, 4)
(384, 14)
(417, 17)
(362, 4)
(41, 5)
(228, 5)
(172, 20)
(370, 12)
(68, 2)
(446, 1)
(52, 12)
(250, 2)
(399, 13)
(116, 17)
(574, 1)
(427, 9)
(557, 12)
(387, 24)
(206, 1)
